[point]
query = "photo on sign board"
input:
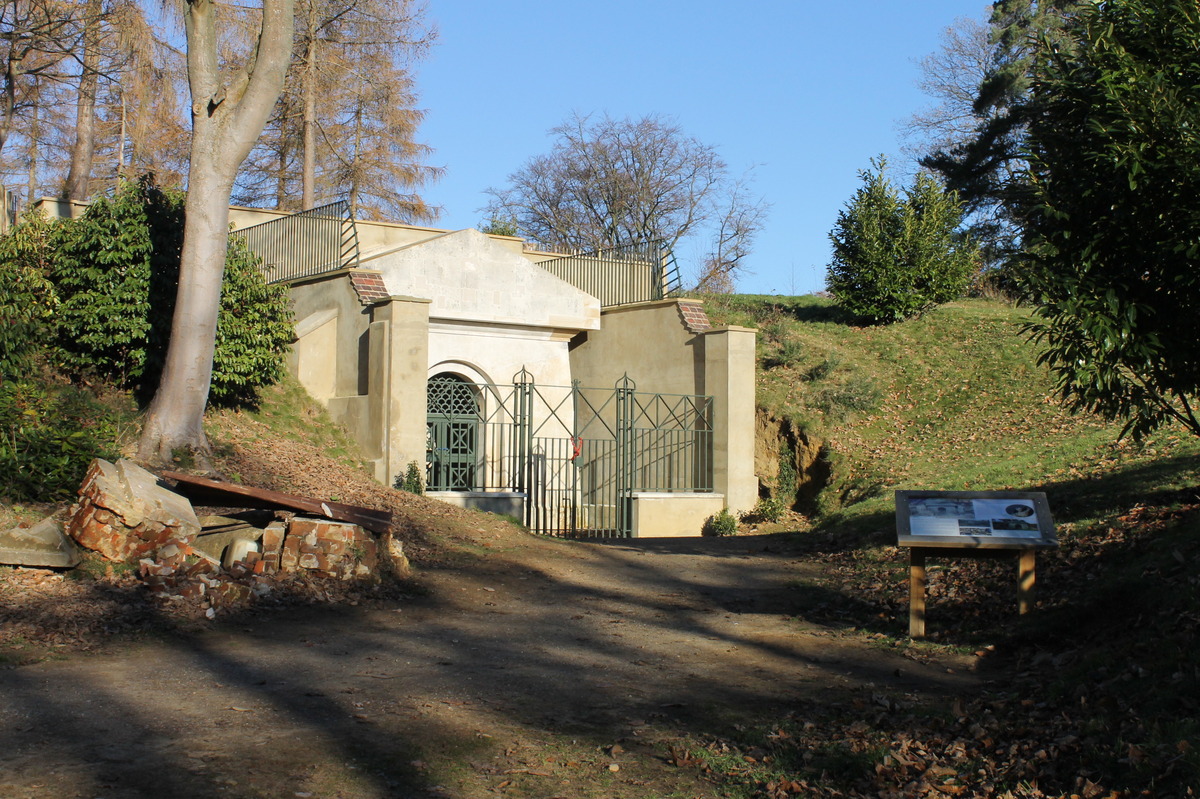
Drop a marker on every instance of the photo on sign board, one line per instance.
(1006, 509)
(972, 517)
(1015, 525)
(985, 519)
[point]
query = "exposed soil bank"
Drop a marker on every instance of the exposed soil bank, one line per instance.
(790, 464)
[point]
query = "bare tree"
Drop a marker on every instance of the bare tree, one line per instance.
(974, 135)
(359, 139)
(122, 62)
(35, 37)
(92, 88)
(145, 128)
(80, 173)
(380, 164)
(230, 105)
(733, 240)
(612, 182)
(951, 77)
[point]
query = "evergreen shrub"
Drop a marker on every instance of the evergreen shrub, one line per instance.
(116, 270)
(722, 523)
(101, 270)
(27, 300)
(896, 256)
(412, 481)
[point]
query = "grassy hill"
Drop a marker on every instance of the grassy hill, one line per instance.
(953, 400)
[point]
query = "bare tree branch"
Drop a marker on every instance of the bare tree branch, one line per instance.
(610, 182)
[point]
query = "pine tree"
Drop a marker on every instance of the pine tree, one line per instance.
(898, 254)
(985, 166)
(360, 140)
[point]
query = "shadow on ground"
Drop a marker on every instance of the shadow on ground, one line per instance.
(516, 663)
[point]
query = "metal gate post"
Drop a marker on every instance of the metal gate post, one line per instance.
(626, 454)
(523, 428)
(576, 447)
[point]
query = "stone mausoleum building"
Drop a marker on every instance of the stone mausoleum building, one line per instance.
(570, 391)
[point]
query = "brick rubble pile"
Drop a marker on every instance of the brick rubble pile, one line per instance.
(126, 515)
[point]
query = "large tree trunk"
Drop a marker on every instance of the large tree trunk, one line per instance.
(228, 114)
(84, 148)
(175, 419)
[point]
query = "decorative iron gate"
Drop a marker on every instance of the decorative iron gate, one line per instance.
(577, 454)
(453, 431)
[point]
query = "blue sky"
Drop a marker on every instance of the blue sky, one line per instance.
(806, 93)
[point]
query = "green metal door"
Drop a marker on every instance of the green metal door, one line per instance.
(453, 422)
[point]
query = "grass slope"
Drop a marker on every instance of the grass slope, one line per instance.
(953, 400)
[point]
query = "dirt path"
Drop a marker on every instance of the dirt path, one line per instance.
(548, 669)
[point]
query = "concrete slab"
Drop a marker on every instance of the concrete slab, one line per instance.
(44, 544)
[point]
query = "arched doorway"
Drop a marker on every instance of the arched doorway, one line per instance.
(453, 422)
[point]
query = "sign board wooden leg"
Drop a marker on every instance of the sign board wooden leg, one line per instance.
(916, 593)
(1026, 577)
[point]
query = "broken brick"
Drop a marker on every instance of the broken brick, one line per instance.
(123, 513)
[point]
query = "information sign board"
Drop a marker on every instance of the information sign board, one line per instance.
(974, 519)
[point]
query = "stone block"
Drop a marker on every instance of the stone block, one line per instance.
(218, 542)
(237, 551)
(44, 544)
(395, 554)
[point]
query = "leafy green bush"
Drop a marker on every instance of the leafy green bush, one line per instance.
(1110, 217)
(767, 509)
(722, 523)
(28, 301)
(254, 329)
(101, 269)
(117, 269)
(896, 257)
(412, 481)
(48, 436)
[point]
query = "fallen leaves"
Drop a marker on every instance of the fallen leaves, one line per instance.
(1091, 709)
